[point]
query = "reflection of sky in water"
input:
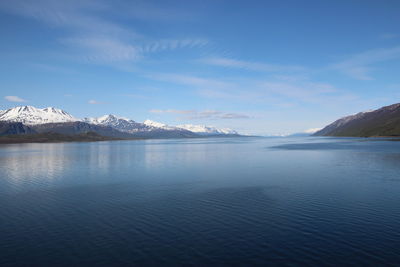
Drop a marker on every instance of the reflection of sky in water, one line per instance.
(251, 198)
(238, 161)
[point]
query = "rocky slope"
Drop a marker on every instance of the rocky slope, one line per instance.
(381, 122)
(9, 128)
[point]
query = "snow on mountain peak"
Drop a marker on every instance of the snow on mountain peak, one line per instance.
(106, 119)
(155, 124)
(30, 115)
(109, 117)
(119, 123)
(202, 129)
(199, 129)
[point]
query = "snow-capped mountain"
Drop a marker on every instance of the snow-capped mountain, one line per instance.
(198, 129)
(119, 123)
(159, 125)
(148, 129)
(206, 130)
(106, 119)
(32, 116)
(36, 117)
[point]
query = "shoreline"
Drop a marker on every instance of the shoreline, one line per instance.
(45, 138)
(56, 138)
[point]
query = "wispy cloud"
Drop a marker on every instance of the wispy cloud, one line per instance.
(13, 98)
(165, 45)
(233, 116)
(53, 68)
(307, 92)
(105, 49)
(215, 114)
(298, 90)
(95, 102)
(174, 111)
(89, 29)
(205, 114)
(189, 80)
(277, 90)
(388, 36)
(139, 96)
(249, 65)
(358, 66)
(155, 11)
(102, 49)
(75, 15)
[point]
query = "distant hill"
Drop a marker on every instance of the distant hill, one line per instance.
(381, 122)
(207, 130)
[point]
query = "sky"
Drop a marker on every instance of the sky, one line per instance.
(259, 67)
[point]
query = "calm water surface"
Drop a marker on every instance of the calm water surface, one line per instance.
(237, 201)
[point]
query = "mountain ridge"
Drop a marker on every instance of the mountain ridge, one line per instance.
(30, 115)
(10, 128)
(384, 121)
(51, 119)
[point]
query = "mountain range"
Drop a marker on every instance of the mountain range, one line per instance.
(28, 120)
(374, 123)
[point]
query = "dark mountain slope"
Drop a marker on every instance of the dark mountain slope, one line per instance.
(381, 122)
(7, 128)
(53, 138)
(77, 127)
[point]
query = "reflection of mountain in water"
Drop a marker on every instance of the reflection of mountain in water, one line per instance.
(31, 163)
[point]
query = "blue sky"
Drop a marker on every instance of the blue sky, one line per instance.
(260, 67)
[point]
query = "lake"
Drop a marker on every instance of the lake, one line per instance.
(218, 201)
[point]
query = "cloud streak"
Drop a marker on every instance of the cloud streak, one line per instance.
(169, 45)
(200, 115)
(307, 92)
(94, 102)
(173, 111)
(195, 81)
(249, 65)
(358, 65)
(13, 98)
(388, 36)
(101, 49)
(74, 15)
(89, 29)
(277, 90)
